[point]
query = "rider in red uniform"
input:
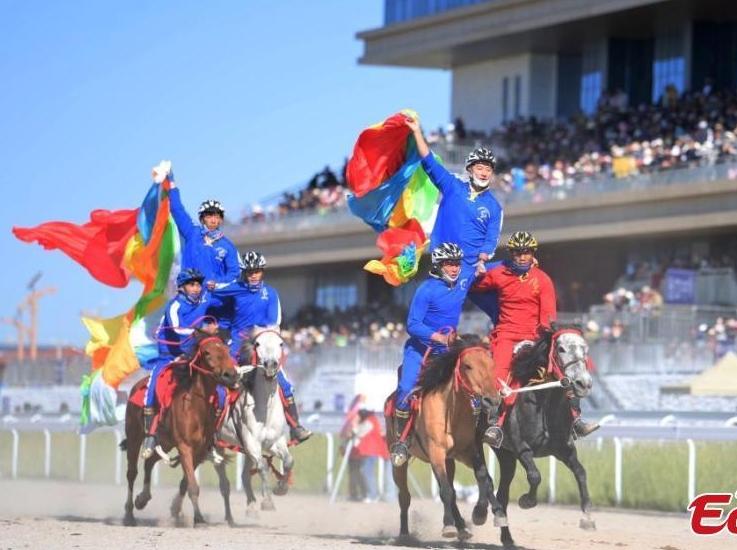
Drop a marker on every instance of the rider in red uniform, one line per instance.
(526, 304)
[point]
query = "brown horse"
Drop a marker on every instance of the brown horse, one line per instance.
(445, 431)
(188, 424)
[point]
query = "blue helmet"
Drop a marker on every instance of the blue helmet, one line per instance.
(188, 275)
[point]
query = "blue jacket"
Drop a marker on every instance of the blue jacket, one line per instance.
(474, 224)
(244, 308)
(177, 325)
(218, 261)
(436, 305)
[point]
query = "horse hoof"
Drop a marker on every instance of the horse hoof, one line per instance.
(501, 521)
(464, 534)
(129, 521)
(267, 506)
(141, 501)
(526, 502)
(479, 515)
(199, 520)
(281, 489)
(587, 524)
(230, 522)
(450, 531)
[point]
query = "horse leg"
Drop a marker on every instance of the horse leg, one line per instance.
(251, 509)
(399, 473)
(447, 493)
(486, 493)
(263, 473)
(507, 466)
(193, 489)
(176, 504)
(145, 495)
(463, 533)
(529, 499)
(287, 462)
(569, 457)
(132, 452)
(224, 491)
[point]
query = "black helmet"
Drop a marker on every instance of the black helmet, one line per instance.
(522, 240)
(252, 260)
(189, 275)
(481, 154)
(211, 206)
(446, 252)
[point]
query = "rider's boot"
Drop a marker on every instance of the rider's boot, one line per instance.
(149, 442)
(493, 436)
(399, 451)
(581, 428)
(296, 430)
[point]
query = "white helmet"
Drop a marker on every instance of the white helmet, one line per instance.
(481, 154)
(446, 252)
(253, 260)
(210, 206)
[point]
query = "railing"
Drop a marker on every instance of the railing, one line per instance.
(398, 11)
(294, 222)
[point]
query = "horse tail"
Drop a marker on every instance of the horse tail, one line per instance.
(124, 445)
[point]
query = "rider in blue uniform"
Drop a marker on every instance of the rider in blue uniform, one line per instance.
(433, 314)
(185, 312)
(204, 247)
(252, 303)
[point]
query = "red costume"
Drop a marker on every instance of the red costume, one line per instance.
(526, 302)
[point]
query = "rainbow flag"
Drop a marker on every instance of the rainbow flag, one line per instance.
(120, 345)
(393, 194)
(115, 246)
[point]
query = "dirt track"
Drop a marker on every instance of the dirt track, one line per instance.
(42, 514)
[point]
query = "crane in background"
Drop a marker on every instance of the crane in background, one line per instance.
(30, 329)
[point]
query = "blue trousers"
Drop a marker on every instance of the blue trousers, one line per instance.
(158, 365)
(409, 373)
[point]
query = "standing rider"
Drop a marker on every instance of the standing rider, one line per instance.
(252, 303)
(182, 315)
(526, 303)
(468, 213)
(433, 316)
(204, 245)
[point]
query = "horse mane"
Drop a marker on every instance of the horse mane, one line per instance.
(439, 369)
(528, 362)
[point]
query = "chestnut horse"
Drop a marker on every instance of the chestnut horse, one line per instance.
(188, 424)
(445, 430)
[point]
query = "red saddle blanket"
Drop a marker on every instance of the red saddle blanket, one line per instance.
(165, 387)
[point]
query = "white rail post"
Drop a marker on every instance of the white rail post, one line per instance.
(606, 419)
(82, 456)
(434, 488)
(330, 462)
(617, 471)
(239, 463)
(380, 475)
(341, 471)
(553, 464)
(118, 457)
(14, 458)
(691, 470)
(47, 453)
(155, 475)
(492, 464)
(197, 474)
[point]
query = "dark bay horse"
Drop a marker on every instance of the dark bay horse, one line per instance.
(445, 430)
(540, 422)
(188, 425)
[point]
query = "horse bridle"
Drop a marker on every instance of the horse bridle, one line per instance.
(459, 381)
(193, 362)
(254, 354)
(554, 367)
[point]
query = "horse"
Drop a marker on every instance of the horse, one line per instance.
(445, 431)
(540, 422)
(256, 423)
(188, 425)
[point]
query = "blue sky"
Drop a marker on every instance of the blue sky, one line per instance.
(246, 98)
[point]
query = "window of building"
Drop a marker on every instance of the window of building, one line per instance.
(590, 91)
(336, 295)
(668, 71)
(517, 95)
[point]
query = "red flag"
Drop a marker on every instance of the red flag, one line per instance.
(98, 246)
(379, 152)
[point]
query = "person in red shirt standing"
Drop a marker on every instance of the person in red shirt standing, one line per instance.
(526, 304)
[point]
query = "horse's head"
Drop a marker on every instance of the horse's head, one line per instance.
(213, 357)
(474, 370)
(265, 350)
(569, 355)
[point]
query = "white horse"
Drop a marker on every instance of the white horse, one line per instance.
(256, 424)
